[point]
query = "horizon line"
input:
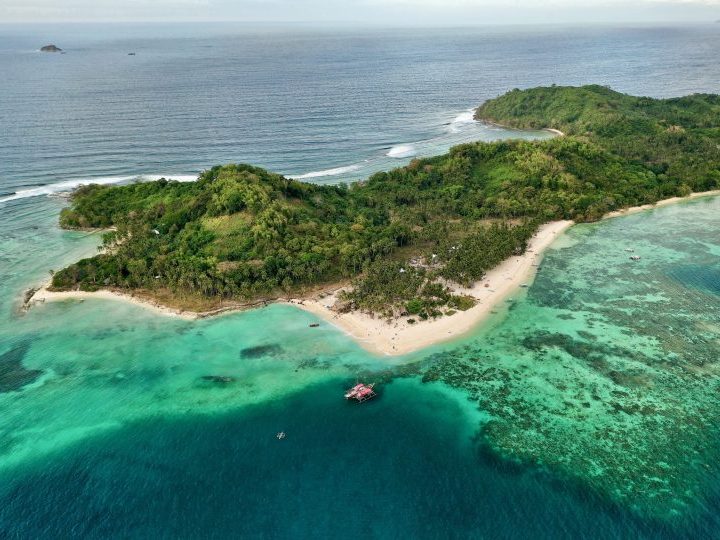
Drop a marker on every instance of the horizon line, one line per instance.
(364, 23)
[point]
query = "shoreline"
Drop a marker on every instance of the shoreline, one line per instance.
(43, 294)
(379, 336)
(503, 126)
(372, 333)
(660, 204)
(398, 337)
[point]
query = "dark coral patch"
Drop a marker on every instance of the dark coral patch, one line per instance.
(261, 351)
(13, 376)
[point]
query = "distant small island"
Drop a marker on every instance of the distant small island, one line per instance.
(409, 245)
(50, 48)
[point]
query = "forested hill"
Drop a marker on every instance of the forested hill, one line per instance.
(676, 139)
(242, 233)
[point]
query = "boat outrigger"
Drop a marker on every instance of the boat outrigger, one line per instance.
(361, 392)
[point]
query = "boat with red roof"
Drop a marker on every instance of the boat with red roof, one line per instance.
(361, 392)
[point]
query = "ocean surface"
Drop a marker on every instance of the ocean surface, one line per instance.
(586, 408)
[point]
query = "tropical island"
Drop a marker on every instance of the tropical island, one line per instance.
(413, 244)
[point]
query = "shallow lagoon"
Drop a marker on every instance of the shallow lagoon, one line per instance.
(589, 399)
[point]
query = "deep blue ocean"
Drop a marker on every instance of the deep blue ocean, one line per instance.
(107, 427)
(297, 101)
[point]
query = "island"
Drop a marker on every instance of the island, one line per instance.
(408, 257)
(50, 48)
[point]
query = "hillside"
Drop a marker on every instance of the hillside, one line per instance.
(242, 233)
(674, 139)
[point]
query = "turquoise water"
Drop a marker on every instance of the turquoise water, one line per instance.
(587, 407)
(607, 371)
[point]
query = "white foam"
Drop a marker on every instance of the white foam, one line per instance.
(462, 119)
(69, 185)
(402, 151)
(328, 172)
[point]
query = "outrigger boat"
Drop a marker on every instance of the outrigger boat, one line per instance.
(361, 392)
(353, 391)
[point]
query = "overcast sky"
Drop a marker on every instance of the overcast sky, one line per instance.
(386, 12)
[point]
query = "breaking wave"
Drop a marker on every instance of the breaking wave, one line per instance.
(402, 151)
(327, 172)
(69, 185)
(462, 119)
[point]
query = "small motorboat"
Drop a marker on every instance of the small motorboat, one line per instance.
(281, 435)
(635, 258)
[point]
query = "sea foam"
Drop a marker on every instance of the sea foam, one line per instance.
(402, 151)
(462, 119)
(69, 185)
(327, 172)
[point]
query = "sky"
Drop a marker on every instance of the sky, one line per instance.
(380, 12)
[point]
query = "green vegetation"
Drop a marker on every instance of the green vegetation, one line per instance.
(673, 143)
(242, 233)
(390, 288)
(389, 285)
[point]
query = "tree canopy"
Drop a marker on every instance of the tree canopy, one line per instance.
(241, 232)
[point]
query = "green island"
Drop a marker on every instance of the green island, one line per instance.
(241, 234)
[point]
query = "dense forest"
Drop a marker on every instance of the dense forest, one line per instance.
(241, 233)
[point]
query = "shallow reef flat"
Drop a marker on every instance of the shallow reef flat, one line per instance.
(603, 374)
(607, 371)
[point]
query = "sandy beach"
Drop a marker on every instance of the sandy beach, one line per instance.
(395, 337)
(43, 295)
(659, 204)
(399, 337)
(377, 335)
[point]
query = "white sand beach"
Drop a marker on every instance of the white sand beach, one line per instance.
(44, 295)
(398, 337)
(659, 204)
(395, 337)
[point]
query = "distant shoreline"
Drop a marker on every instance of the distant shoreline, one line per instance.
(396, 337)
(660, 204)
